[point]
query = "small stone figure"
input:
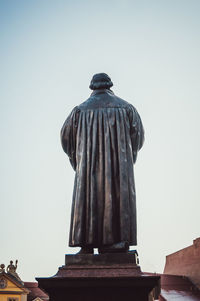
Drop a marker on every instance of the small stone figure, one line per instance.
(2, 268)
(11, 269)
(102, 137)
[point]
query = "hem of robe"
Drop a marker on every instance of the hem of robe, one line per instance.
(97, 246)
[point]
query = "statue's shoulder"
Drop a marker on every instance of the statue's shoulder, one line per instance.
(104, 100)
(122, 102)
(84, 105)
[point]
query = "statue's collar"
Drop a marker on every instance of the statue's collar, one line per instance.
(98, 91)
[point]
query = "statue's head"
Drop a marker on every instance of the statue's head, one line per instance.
(11, 262)
(100, 81)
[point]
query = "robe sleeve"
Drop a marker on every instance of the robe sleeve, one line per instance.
(136, 131)
(68, 136)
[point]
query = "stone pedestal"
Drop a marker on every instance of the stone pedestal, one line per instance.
(107, 277)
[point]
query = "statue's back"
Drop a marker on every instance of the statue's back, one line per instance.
(102, 137)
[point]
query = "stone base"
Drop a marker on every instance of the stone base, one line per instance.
(104, 277)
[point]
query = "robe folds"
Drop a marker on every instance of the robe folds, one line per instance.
(102, 137)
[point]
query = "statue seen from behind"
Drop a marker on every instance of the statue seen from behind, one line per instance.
(102, 137)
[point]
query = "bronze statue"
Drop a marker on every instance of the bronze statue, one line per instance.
(102, 136)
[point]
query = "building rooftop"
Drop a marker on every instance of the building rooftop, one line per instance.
(35, 291)
(174, 288)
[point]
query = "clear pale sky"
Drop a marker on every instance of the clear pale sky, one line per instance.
(49, 52)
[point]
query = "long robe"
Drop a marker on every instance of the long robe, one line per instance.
(102, 137)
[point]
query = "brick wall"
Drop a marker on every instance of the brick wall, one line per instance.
(185, 262)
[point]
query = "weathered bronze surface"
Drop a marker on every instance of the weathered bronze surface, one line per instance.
(102, 137)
